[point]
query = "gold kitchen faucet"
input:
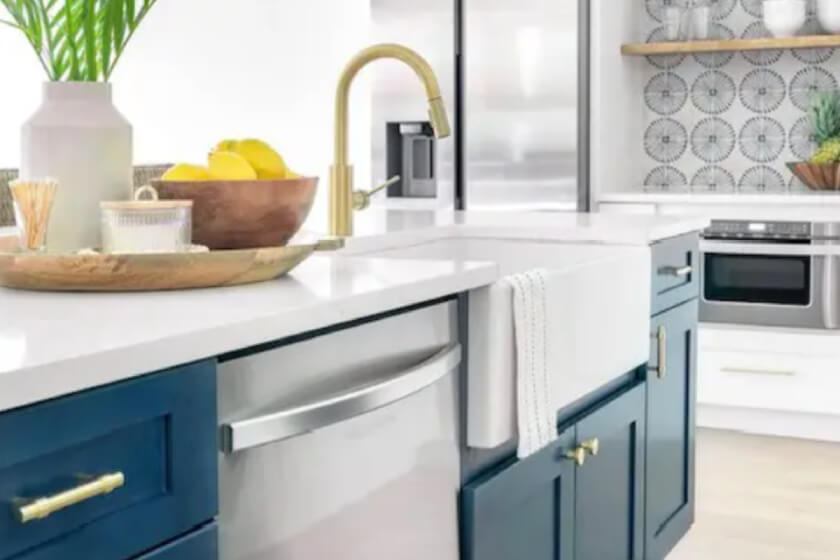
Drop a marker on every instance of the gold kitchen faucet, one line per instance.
(342, 198)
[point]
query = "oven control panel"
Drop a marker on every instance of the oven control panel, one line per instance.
(759, 231)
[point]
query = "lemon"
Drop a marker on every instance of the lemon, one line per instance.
(263, 158)
(225, 146)
(292, 175)
(186, 172)
(229, 166)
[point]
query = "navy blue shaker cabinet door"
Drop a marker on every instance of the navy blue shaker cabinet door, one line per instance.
(671, 419)
(157, 432)
(523, 510)
(609, 487)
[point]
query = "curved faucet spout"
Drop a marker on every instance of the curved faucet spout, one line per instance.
(341, 174)
(437, 110)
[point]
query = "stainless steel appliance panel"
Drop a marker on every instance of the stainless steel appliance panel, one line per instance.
(771, 274)
(806, 306)
(344, 446)
(521, 106)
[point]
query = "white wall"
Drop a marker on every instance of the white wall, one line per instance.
(202, 70)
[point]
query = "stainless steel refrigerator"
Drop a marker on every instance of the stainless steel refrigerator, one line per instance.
(511, 72)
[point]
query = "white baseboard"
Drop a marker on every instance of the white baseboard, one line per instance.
(819, 427)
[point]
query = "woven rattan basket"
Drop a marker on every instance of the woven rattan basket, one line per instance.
(143, 175)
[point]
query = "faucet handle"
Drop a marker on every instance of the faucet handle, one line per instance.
(361, 199)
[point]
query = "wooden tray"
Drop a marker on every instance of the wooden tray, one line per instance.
(140, 273)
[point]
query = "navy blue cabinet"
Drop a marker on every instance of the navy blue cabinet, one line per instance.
(632, 495)
(671, 409)
(524, 509)
(201, 544)
(609, 487)
(580, 498)
(110, 473)
(676, 272)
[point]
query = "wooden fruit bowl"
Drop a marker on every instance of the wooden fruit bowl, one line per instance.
(817, 177)
(244, 214)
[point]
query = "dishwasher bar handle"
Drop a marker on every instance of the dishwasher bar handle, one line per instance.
(291, 422)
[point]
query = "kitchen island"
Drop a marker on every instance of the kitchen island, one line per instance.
(100, 349)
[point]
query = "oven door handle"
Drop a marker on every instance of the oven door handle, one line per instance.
(755, 248)
(300, 419)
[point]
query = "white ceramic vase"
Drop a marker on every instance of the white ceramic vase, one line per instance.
(78, 137)
(828, 13)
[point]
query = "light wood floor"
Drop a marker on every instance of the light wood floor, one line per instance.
(762, 498)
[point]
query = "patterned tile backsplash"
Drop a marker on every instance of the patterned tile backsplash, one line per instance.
(729, 122)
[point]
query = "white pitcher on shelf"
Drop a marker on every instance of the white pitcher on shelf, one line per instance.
(828, 13)
(784, 18)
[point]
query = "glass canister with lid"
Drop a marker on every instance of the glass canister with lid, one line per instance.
(146, 224)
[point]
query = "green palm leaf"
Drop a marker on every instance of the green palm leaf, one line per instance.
(77, 40)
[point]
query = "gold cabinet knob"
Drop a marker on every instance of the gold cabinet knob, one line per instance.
(578, 455)
(592, 446)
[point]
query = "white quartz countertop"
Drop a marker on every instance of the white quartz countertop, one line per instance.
(377, 229)
(798, 198)
(53, 344)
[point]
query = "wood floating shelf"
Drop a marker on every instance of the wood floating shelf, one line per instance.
(728, 45)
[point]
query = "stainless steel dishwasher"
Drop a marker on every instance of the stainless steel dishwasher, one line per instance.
(345, 445)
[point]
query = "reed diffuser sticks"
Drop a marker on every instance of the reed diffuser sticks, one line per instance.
(33, 205)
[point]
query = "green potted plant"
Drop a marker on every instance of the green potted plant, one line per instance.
(822, 171)
(825, 125)
(77, 135)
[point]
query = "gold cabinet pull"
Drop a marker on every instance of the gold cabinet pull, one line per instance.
(755, 371)
(592, 446)
(40, 508)
(578, 455)
(661, 352)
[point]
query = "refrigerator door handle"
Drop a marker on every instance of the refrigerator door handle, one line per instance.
(294, 421)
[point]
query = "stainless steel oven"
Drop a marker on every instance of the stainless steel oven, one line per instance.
(771, 273)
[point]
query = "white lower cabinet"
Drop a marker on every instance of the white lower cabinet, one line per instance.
(770, 381)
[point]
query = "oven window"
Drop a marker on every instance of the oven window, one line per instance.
(758, 279)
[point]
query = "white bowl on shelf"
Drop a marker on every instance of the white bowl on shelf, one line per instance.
(828, 14)
(784, 18)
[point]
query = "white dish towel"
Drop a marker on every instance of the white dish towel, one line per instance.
(536, 417)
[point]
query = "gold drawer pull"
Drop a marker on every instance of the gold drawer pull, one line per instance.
(661, 337)
(753, 371)
(40, 508)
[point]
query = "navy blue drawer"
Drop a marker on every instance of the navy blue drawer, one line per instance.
(676, 272)
(202, 544)
(157, 432)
